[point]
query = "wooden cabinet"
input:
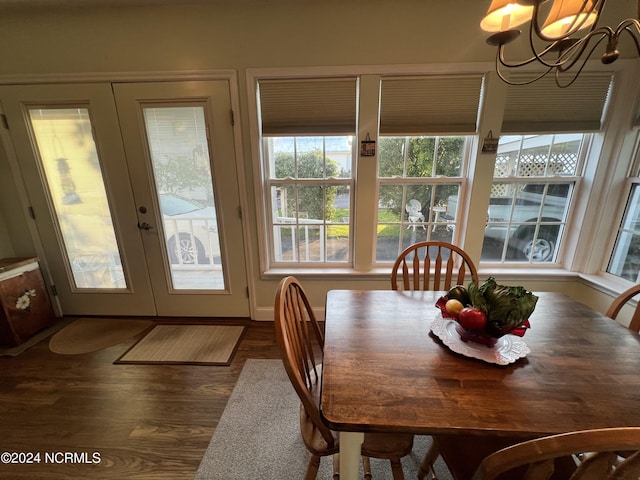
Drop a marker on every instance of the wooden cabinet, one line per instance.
(25, 307)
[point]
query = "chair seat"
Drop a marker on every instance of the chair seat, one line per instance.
(375, 445)
(312, 437)
(387, 445)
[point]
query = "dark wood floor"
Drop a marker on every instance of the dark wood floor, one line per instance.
(144, 421)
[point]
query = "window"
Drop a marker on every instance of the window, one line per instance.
(426, 125)
(416, 186)
(308, 128)
(625, 260)
(534, 179)
(310, 185)
(537, 171)
(417, 176)
(310, 164)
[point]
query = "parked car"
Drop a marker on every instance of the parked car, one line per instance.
(519, 227)
(191, 231)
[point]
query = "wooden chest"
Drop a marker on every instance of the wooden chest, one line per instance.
(25, 307)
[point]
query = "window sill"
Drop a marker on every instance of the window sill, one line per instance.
(345, 273)
(525, 273)
(605, 283)
(505, 274)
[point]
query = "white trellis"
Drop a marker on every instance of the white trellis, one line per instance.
(532, 165)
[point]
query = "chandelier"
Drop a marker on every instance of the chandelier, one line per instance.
(565, 41)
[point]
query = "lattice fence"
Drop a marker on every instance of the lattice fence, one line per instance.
(531, 165)
(535, 165)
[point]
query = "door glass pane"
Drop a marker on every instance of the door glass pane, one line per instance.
(179, 151)
(72, 171)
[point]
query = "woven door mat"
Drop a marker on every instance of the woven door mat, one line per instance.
(186, 344)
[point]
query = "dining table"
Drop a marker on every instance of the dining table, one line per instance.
(392, 363)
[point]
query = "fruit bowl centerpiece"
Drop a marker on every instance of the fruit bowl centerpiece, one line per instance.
(486, 312)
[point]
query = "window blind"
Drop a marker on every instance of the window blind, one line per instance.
(322, 106)
(430, 104)
(543, 107)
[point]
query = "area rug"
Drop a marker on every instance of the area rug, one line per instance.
(87, 335)
(8, 351)
(258, 434)
(186, 344)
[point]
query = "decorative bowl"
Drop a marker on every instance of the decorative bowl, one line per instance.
(496, 309)
(508, 348)
(476, 336)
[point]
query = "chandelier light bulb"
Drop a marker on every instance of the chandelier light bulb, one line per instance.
(505, 15)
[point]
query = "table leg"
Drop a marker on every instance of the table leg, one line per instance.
(437, 211)
(350, 443)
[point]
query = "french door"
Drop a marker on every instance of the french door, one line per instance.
(135, 195)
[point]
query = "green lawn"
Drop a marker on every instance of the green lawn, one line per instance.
(342, 229)
(384, 216)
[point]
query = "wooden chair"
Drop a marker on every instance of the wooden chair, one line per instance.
(420, 267)
(620, 302)
(301, 343)
(612, 453)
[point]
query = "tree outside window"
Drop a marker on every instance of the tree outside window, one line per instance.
(417, 176)
(310, 185)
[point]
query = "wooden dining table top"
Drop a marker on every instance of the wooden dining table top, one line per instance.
(383, 370)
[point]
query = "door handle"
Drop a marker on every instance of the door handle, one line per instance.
(144, 226)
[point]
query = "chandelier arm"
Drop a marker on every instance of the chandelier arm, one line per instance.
(563, 85)
(571, 56)
(566, 85)
(628, 25)
(634, 36)
(502, 77)
(500, 58)
(509, 82)
(578, 72)
(635, 22)
(538, 55)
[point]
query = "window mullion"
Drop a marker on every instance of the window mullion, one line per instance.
(365, 195)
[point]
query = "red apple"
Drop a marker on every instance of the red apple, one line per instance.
(472, 318)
